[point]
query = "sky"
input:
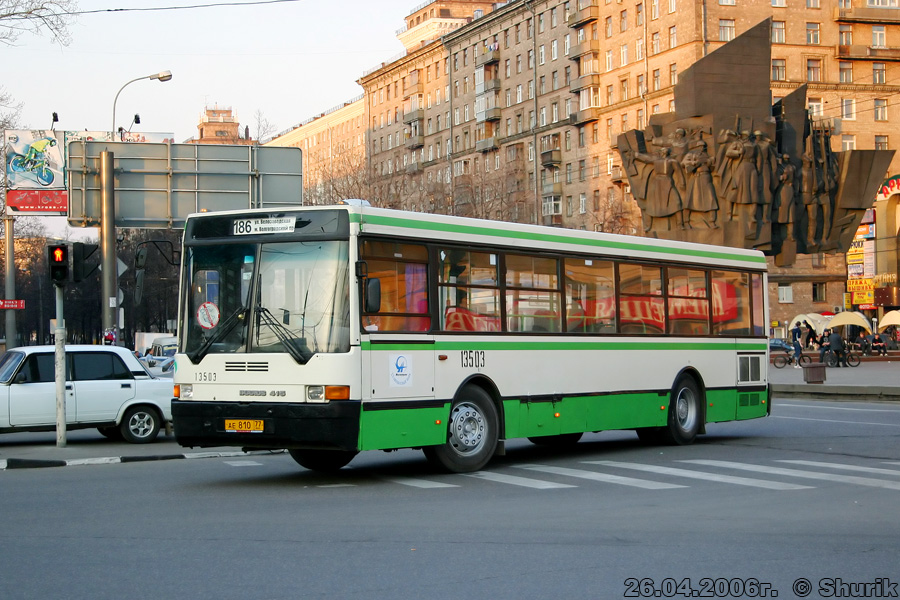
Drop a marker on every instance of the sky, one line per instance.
(289, 60)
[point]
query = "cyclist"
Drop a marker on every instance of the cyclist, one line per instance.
(38, 148)
(836, 343)
(798, 352)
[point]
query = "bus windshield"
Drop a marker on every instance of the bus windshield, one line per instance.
(290, 297)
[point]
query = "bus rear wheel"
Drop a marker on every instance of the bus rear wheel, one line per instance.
(472, 433)
(685, 413)
(324, 461)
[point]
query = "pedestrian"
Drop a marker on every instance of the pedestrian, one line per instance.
(878, 345)
(824, 344)
(810, 334)
(863, 342)
(836, 345)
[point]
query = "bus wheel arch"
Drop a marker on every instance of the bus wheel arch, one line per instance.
(473, 430)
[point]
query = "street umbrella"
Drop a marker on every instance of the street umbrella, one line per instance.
(850, 318)
(889, 318)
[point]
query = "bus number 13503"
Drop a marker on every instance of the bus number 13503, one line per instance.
(472, 359)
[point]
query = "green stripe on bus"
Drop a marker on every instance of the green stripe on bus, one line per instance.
(478, 230)
(537, 345)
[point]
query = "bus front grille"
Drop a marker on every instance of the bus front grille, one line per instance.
(243, 367)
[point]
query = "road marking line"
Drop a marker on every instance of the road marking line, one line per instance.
(419, 483)
(780, 404)
(891, 485)
(814, 463)
(242, 463)
(513, 480)
(337, 485)
(2, 464)
(834, 421)
(762, 483)
(602, 477)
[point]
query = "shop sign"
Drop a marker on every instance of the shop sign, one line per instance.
(860, 285)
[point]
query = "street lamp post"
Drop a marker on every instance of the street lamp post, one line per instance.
(109, 273)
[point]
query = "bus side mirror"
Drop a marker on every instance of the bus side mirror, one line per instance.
(373, 296)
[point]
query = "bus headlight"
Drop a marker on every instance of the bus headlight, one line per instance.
(185, 391)
(315, 393)
(324, 393)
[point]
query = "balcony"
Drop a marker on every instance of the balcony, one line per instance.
(552, 189)
(413, 168)
(415, 141)
(414, 115)
(585, 47)
(490, 114)
(491, 85)
(867, 15)
(618, 174)
(413, 86)
(554, 220)
(585, 81)
(487, 57)
(584, 16)
(587, 115)
(551, 158)
(486, 145)
(868, 53)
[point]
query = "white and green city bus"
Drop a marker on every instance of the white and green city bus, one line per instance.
(329, 330)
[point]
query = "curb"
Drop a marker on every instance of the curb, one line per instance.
(35, 463)
(836, 392)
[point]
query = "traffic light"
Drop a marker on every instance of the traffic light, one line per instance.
(58, 259)
(80, 253)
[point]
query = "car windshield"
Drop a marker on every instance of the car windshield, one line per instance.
(9, 362)
(288, 297)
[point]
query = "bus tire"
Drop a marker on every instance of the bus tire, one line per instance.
(557, 441)
(323, 461)
(685, 413)
(472, 433)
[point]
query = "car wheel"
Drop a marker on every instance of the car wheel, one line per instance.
(140, 424)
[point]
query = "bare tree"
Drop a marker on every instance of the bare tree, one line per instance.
(36, 16)
(264, 127)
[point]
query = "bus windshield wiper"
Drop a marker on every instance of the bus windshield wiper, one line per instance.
(223, 329)
(296, 347)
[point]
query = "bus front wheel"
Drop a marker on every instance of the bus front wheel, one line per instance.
(472, 433)
(324, 461)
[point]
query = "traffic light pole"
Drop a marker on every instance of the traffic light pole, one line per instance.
(60, 369)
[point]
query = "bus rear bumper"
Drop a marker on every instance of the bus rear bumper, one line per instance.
(333, 425)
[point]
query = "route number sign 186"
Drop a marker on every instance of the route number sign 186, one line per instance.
(262, 226)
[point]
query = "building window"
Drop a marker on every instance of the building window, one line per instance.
(878, 73)
(848, 142)
(845, 35)
(848, 109)
(639, 15)
(813, 69)
(656, 82)
(846, 71)
(812, 3)
(623, 20)
(640, 118)
(881, 142)
(726, 30)
(673, 74)
(654, 43)
(785, 293)
(879, 36)
(818, 292)
(654, 9)
(881, 109)
(814, 105)
(778, 69)
(726, 2)
(777, 32)
(609, 30)
(812, 33)
(671, 6)
(673, 36)
(779, 3)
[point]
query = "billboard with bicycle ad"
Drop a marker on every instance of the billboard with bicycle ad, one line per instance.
(36, 160)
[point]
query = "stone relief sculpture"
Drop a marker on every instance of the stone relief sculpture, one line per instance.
(728, 167)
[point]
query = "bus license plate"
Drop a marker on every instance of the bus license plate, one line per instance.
(244, 425)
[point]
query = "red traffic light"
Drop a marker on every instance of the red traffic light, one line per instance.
(58, 257)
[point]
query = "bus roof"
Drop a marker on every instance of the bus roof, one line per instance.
(384, 221)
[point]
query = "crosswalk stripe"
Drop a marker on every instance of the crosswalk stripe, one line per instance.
(603, 477)
(891, 485)
(242, 463)
(419, 483)
(513, 480)
(761, 483)
(813, 463)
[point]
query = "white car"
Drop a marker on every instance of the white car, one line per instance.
(106, 387)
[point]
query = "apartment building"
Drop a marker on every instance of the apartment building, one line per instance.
(219, 125)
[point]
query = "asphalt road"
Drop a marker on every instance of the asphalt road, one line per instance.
(811, 492)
